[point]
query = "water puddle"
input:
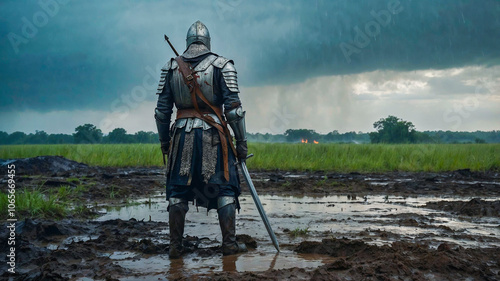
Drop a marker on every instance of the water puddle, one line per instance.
(378, 220)
(335, 216)
(251, 261)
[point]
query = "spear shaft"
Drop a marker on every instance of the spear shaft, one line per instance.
(171, 46)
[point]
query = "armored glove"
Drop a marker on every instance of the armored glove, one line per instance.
(165, 147)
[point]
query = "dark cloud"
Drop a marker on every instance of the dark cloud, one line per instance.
(91, 53)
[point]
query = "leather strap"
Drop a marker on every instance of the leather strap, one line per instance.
(190, 76)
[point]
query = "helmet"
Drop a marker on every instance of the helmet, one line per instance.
(198, 33)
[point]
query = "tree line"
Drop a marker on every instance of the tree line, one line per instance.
(86, 133)
(388, 130)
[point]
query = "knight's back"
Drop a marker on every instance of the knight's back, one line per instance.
(216, 75)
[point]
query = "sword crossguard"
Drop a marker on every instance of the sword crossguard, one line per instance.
(248, 156)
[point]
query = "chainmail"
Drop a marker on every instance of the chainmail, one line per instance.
(195, 50)
(187, 154)
(209, 156)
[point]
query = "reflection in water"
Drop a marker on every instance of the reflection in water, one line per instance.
(370, 218)
(195, 265)
(335, 216)
(229, 263)
(176, 269)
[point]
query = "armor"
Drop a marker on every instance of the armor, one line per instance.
(193, 123)
(198, 32)
(163, 76)
(230, 77)
(225, 200)
(236, 120)
(205, 73)
(162, 124)
(195, 50)
(174, 201)
(198, 154)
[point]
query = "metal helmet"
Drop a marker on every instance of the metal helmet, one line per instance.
(198, 33)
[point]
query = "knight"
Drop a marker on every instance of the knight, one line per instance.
(201, 165)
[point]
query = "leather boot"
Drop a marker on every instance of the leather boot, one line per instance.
(227, 224)
(176, 219)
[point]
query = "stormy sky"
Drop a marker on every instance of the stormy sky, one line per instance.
(322, 65)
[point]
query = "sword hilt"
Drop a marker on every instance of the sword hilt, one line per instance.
(248, 156)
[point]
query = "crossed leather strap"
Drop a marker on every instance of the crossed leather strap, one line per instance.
(189, 76)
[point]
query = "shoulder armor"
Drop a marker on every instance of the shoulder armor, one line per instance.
(171, 64)
(230, 76)
(221, 61)
(204, 64)
(174, 64)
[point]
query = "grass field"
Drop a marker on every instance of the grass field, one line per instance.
(313, 157)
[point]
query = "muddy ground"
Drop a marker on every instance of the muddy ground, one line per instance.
(439, 246)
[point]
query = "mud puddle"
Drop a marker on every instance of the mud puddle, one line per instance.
(378, 220)
(351, 226)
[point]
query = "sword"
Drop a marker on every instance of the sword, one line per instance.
(258, 204)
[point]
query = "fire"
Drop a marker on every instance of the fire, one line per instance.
(306, 141)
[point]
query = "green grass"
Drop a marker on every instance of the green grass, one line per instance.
(35, 204)
(299, 232)
(53, 203)
(313, 157)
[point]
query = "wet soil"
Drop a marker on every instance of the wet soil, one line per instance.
(356, 260)
(331, 226)
(55, 171)
(474, 207)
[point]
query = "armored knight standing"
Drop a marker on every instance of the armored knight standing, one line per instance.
(201, 156)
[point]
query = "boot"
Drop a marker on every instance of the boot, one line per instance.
(176, 219)
(227, 224)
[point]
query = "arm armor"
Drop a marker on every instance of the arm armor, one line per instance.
(230, 77)
(236, 119)
(163, 125)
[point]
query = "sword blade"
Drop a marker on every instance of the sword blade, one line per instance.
(258, 204)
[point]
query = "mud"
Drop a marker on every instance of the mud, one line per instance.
(474, 207)
(331, 226)
(133, 182)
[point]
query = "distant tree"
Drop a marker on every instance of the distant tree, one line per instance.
(349, 136)
(393, 130)
(297, 135)
(422, 137)
(3, 137)
(145, 137)
(16, 138)
(60, 139)
(39, 137)
(87, 133)
(478, 140)
(118, 135)
(332, 136)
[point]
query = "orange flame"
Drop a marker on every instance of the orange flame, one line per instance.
(315, 142)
